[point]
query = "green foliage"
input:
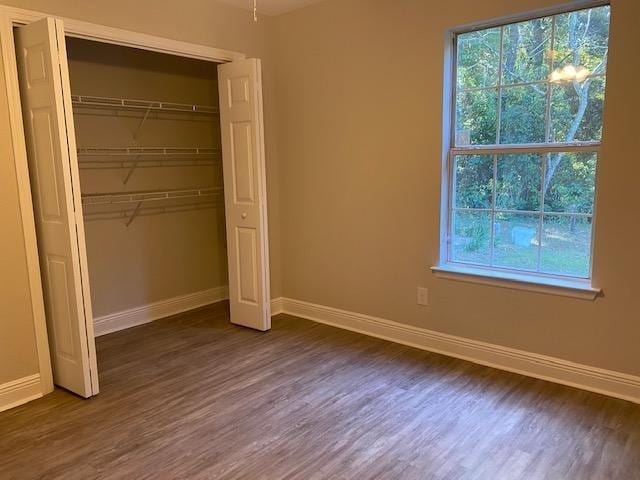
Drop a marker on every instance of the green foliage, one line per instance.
(582, 38)
(525, 51)
(572, 187)
(472, 236)
(477, 62)
(565, 108)
(518, 182)
(522, 114)
(476, 116)
(479, 234)
(473, 180)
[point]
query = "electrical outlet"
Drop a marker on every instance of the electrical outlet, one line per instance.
(423, 296)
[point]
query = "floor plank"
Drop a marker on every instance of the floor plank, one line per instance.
(195, 397)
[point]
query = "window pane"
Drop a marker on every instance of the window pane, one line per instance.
(473, 181)
(525, 51)
(471, 237)
(576, 110)
(518, 183)
(570, 182)
(582, 39)
(566, 245)
(478, 58)
(516, 241)
(476, 117)
(522, 114)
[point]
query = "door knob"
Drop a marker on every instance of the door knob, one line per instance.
(244, 215)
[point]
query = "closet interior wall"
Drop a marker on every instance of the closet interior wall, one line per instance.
(144, 252)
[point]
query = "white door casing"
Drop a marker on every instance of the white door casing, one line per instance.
(240, 90)
(51, 151)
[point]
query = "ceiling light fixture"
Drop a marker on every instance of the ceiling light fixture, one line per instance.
(569, 73)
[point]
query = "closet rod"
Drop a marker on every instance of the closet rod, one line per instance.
(128, 103)
(140, 151)
(147, 196)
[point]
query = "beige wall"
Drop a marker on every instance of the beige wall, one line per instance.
(198, 21)
(359, 85)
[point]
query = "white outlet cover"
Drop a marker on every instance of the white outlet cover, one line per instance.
(423, 296)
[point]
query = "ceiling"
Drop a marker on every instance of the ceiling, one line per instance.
(271, 7)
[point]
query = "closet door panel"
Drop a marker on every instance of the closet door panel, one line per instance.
(242, 158)
(248, 273)
(245, 196)
(46, 126)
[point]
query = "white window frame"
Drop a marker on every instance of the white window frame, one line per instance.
(500, 276)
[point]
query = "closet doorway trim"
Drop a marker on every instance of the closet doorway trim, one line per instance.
(127, 38)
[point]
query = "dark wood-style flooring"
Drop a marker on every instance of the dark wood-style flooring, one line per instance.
(193, 397)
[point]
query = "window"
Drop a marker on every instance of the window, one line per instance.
(524, 144)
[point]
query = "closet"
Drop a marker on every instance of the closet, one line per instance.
(149, 155)
(148, 182)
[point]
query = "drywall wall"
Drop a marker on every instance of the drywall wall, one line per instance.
(18, 355)
(359, 86)
(158, 255)
(198, 21)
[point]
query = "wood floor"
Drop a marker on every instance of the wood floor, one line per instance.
(193, 397)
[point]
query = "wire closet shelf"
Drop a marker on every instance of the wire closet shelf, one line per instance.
(129, 205)
(147, 152)
(147, 196)
(132, 203)
(135, 157)
(145, 105)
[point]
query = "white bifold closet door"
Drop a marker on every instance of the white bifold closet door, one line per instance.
(55, 185)
(241, 124)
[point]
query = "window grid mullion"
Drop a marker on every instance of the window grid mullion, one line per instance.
(452, 198)
(524, 212)
(547, 111)
(543, 159)
(527, 148)
(471, 209)
(492, 218)
(499, 91)
(521, 84)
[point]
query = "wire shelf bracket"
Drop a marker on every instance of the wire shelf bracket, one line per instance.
(133, 215)
(134, 141)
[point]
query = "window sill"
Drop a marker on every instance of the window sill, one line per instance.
(519, 281)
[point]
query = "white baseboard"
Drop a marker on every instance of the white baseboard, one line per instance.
(154, 311)
(276, 306)
(607, 382)
(20, 391)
